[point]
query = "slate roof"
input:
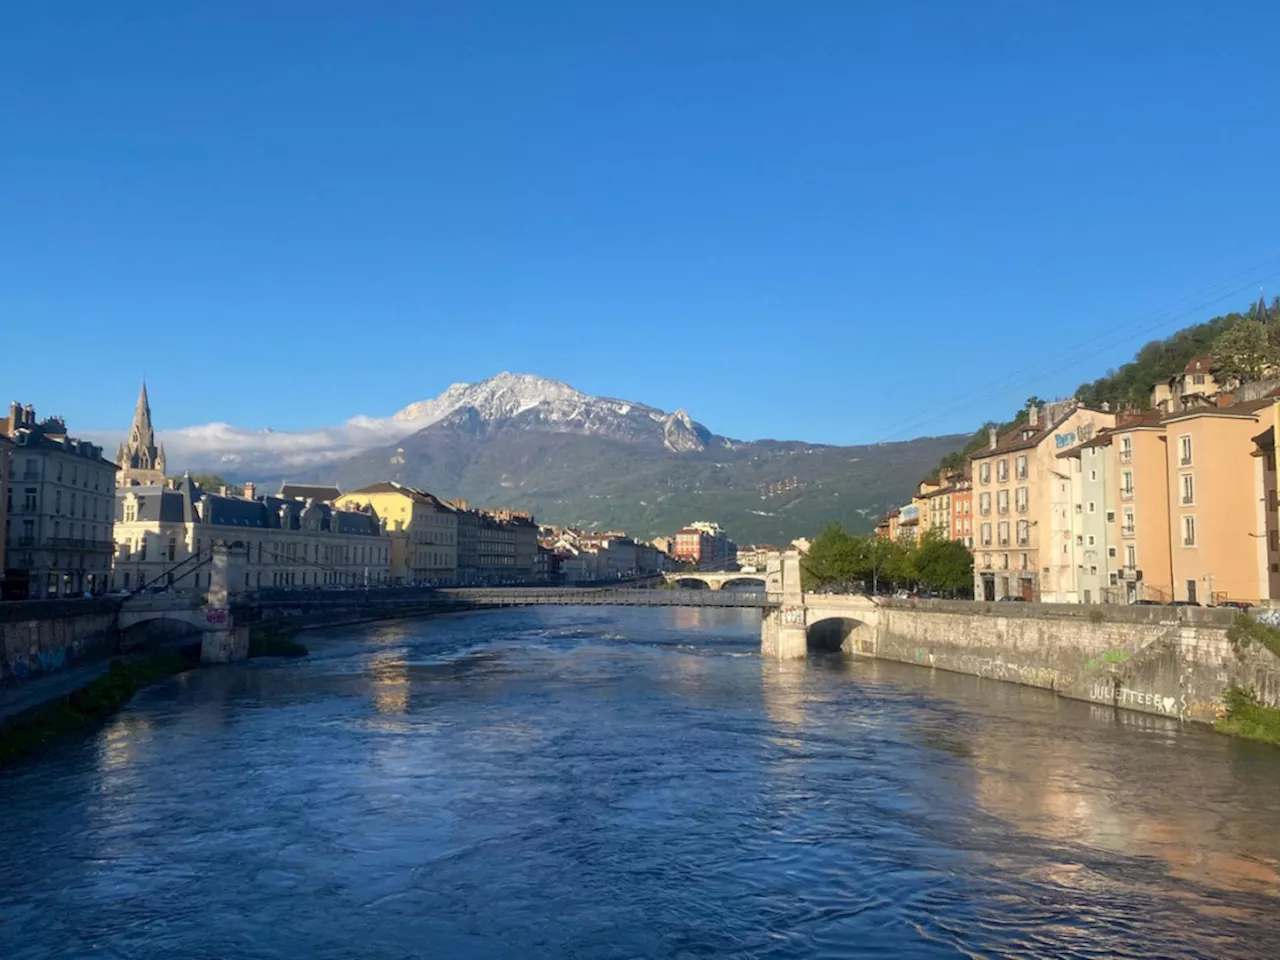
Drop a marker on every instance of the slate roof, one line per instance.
(305, 491)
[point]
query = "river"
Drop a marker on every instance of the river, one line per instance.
(616, 783)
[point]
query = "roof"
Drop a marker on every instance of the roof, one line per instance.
(1200, 364)
(305, 491)
(1246, 409)
(1022, 437)
(414, 494)
(1266, 440)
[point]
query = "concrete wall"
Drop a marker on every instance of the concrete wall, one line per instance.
(1170, 661)
(40, 636)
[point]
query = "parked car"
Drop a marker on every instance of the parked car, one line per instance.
(1013, 598)
(1238, 604)
(1184, 603)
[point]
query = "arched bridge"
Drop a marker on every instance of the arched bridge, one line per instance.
(717, 580)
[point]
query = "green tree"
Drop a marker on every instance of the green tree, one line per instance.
(944, 564)
(900, 563)
(212, 483)
(834, 559)
(1245, 353)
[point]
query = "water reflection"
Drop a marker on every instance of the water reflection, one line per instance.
(617, 783)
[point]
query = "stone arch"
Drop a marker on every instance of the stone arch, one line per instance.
(691, 583)
(836, 633)
(754, 581)
(156, 631)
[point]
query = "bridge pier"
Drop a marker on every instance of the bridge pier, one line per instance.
(782, 631)
(223, 641)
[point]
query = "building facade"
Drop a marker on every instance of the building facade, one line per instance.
(1140, 492)
(1096, 541)
(423, 530)
(6, 507)
(59, 506)
(1217, 508)
(165, 535)
(1024, 509)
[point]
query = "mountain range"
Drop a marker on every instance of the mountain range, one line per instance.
(532, 443)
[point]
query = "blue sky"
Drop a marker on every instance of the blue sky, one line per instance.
(841, 222)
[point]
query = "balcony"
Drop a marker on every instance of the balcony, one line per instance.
(1188, 541)
(1126, 531)
(1184, 460)
(31, 475)
(76, 543)
(1126, 493)
(26, 541)
(30, 508)
(1125, 455)
(1188, 501)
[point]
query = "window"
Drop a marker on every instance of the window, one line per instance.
(1188, 531)
(1111, 516)
(1093, 474)
(1093, 507)
(1002, 470)
(1127, 527)
(1025, 565)
(1020, 499)
(984, 504)
(1273, 540)
(1126, 484)
(1184, 450)
(1002, 501)
(1021, 467)
(1126, 449)
(1197, 379)
(1188, 489)
(1111, 551)
(173, 548)
(1024, 531)
(1003, 532)
(984, 473)
(59, 471)
(57, 500)
(1130, 556)
(1114, 579)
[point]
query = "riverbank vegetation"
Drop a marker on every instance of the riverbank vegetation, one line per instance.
(89, 705)
(841, 561)
(1247, 632)
(1247, 717)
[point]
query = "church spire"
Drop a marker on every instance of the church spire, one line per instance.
(138, 459)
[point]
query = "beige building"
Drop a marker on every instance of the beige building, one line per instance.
(1140, 488)
(59, 510)
(1217, 505)
(1024, 507)
(165, 535)
(423, 531)
(1194, 385)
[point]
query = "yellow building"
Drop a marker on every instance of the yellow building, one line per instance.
(1024, 505)
(1141, 497)
(1217, 506)
(423, 531)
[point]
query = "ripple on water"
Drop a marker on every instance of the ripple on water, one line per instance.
(630, 783)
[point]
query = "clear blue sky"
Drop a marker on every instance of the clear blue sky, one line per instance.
(802, 220)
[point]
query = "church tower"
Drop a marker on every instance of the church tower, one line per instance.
(138, 458)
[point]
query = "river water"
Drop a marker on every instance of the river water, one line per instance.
(612, 783)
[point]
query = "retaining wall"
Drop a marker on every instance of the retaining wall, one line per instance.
(41, 636)
(1172, 661)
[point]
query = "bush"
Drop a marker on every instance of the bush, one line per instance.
(1248, 718)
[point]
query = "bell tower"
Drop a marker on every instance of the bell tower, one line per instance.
(138, 458)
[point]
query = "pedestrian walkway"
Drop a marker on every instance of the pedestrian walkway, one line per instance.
(21, 697)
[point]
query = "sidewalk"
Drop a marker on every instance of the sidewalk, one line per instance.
(21, 697)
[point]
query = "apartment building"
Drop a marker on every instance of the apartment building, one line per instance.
(1097, 552)
(1140, 488)
(165, 534)
(1217, 505)
(59, 510)
(1267, 487)
(1024, 510)
(422, 528)
(1193, 385)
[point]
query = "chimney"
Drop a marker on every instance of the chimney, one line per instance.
(1033, 415)
(248, 490)
(991, 438)
(222, 491)
(1106, 407)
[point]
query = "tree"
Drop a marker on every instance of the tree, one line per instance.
(212, 483)
(900, 563)
(1245, 353)
(944, 564)
(834, 558)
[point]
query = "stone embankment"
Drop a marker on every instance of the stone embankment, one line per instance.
(1171, 661)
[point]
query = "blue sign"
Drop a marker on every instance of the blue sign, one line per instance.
(1064, 439)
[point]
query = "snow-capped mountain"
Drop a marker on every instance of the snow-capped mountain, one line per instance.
(506, 402)
(524, 401)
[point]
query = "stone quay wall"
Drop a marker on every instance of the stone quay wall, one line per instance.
(1171, 661)
(41, 636)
